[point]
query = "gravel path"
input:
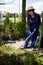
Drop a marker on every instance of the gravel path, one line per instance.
(16, 44)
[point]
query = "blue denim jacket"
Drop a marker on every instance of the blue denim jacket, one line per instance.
(34, 23)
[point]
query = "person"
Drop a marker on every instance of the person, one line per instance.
(34, 22)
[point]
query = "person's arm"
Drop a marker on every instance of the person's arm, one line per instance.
(38, 24)
(28, 23)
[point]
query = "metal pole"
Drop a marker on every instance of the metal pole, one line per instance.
(6, 3)
(14, 18)
(19, 7)
(2, 3)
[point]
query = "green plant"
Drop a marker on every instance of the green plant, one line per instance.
(21, 59)
(21, 28)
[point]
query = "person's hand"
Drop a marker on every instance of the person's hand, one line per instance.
(34, 29)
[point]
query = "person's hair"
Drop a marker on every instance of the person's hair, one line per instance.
(30, 10)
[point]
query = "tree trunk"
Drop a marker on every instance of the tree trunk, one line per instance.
(23, 10)
(24, 16)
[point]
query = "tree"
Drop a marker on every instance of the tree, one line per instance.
(41, 28)
(41, 33)
(6, 21)
(7, 24)
(24, 16)
(23, 11)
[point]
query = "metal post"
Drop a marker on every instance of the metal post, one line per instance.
(19, 9)
(14, 18)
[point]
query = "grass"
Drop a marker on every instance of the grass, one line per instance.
(19, 57)
(6, 49)
(9, 50)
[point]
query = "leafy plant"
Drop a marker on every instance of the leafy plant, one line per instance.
(21, 28)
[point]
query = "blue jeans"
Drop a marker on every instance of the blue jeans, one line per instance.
(34, 37)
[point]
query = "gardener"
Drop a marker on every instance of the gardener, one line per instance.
(33, 20)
